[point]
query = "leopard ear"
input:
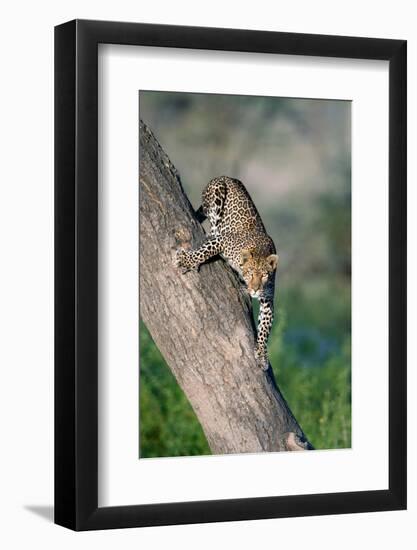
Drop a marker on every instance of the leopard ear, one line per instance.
(272, 262)
(245, 255)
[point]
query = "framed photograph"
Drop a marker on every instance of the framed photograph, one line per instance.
(230, 284)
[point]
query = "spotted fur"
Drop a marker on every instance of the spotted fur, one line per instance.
(238, 235)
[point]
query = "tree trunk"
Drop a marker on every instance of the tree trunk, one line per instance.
(203, 323)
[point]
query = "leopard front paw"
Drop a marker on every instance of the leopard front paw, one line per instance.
(182, 261)
(180, 257)
(261, 358)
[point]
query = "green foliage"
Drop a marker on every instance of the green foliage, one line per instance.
(314, 377)
(168, 425)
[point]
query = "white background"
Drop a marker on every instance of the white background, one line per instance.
(26, 301)
(123, 479)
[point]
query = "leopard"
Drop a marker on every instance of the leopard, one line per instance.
(238, 235)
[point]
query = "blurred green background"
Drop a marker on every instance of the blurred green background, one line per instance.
(294, 157)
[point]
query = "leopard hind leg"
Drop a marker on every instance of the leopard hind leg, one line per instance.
(214, 197)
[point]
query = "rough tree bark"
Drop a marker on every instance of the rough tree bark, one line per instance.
(203, 323)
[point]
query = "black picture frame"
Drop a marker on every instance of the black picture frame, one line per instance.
(76, 272)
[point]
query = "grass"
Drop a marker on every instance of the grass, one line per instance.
(168, 424)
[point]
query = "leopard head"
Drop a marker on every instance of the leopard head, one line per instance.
(257, 270)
